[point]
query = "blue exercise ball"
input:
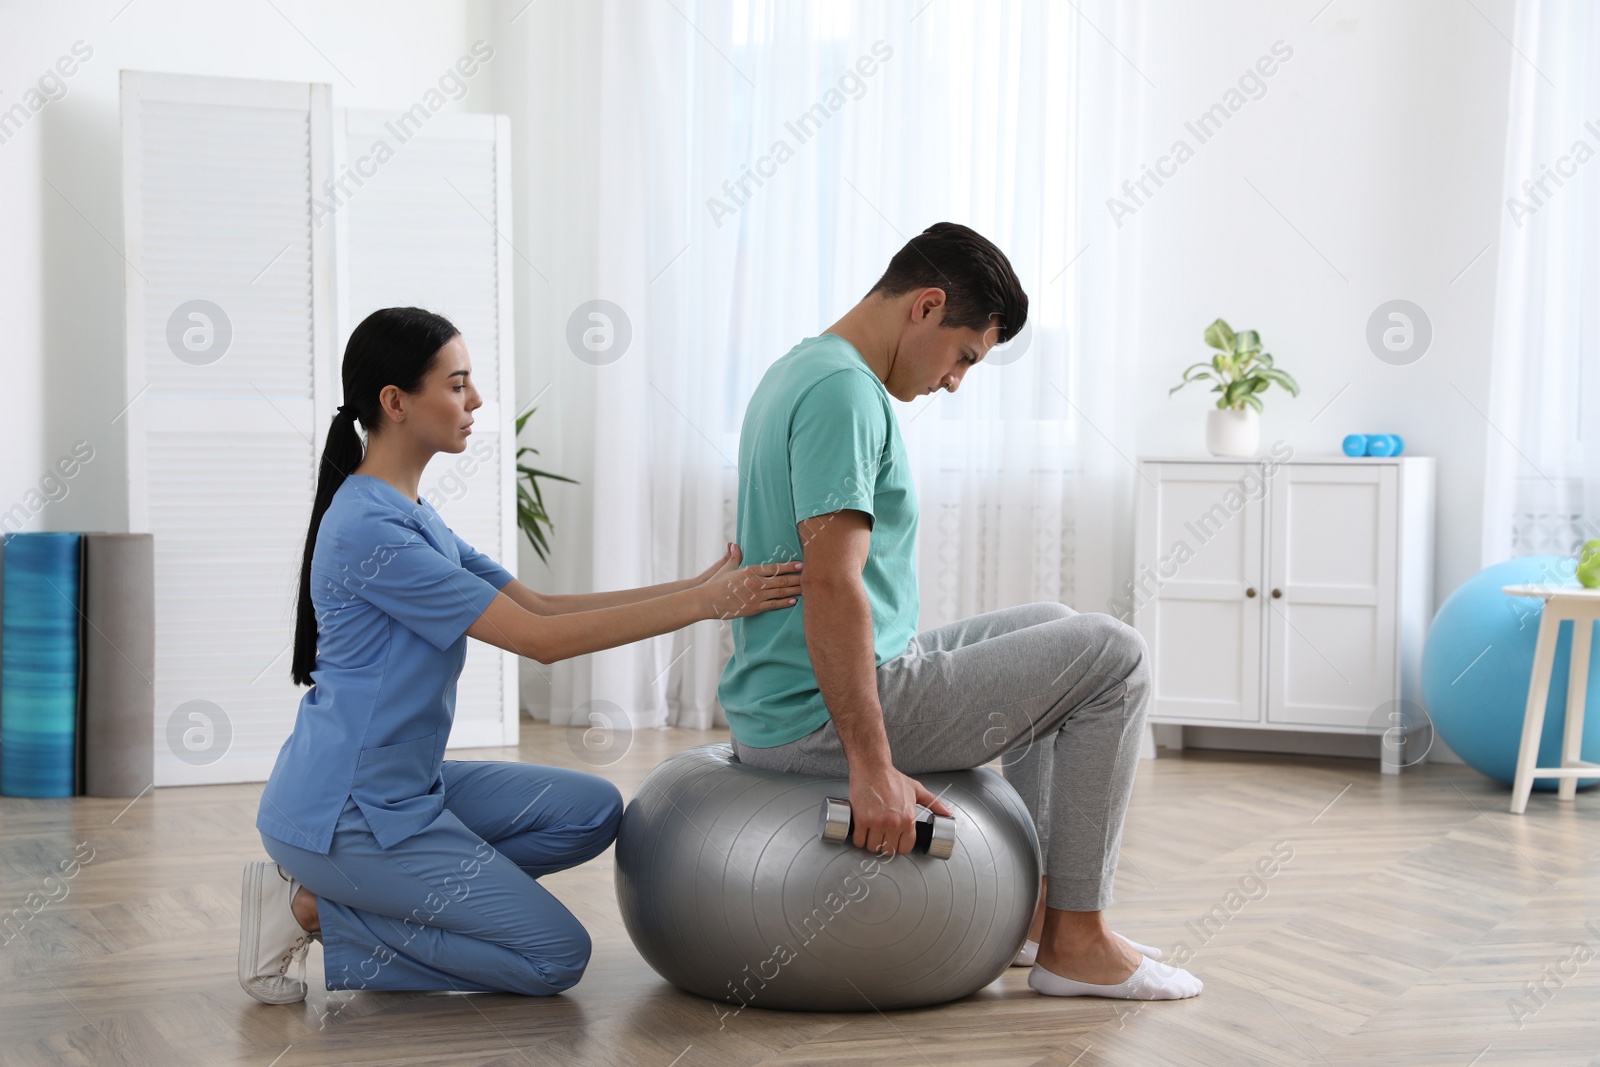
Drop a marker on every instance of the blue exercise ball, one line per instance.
(1477, 662)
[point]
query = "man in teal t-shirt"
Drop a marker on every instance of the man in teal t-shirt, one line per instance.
(848, 687)
(819, 436)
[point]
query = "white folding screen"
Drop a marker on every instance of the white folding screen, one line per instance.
(422, 228)
(229, 358)
(240, 288)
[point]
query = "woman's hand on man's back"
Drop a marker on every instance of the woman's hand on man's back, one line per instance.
(733, 591)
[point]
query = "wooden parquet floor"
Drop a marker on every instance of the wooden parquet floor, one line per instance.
(1415, 921)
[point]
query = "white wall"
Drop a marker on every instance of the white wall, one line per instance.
(1381, 142)
(555, 153)
(61, 228)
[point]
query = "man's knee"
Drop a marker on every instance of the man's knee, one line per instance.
(1122, 648)
(1136, 655)
(1138, 650)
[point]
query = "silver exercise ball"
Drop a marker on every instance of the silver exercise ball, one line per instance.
(729, 892)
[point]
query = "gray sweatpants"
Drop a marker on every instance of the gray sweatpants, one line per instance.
(1061, 696)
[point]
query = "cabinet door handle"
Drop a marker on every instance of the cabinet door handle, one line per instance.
(1250, 591)
(1276, 593)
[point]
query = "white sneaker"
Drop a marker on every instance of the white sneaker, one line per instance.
(270, 937)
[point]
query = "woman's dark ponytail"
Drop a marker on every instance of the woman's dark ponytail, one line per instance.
(392, 346)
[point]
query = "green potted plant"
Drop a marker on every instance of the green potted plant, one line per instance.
(531, 514)
(1239, 371)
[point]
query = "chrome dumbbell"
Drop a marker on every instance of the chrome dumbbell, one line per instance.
(936, 834)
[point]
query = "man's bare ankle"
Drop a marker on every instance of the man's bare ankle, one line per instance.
(1109, 961)
(1076, 932)
(1074, 946)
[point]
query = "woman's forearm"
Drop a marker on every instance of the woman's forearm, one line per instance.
(508, 626)
(567, 603)
(529, 631)
(611, 625)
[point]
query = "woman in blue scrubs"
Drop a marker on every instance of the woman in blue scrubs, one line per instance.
(416, 872)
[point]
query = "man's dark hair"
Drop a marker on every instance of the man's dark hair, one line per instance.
(976, 277)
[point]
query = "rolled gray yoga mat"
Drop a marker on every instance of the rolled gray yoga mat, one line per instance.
(118, 663)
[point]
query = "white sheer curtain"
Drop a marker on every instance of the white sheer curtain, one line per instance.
(1543, 489)
(760, 163)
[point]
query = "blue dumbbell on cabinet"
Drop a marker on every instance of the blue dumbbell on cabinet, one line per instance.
(1373, 444)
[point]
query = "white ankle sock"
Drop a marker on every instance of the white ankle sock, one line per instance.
(1144, 950)
(1029, 952)
(1151, 981)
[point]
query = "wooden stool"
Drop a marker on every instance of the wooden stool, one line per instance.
(1582, 606)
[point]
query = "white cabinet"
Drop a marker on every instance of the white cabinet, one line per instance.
(1285, 595)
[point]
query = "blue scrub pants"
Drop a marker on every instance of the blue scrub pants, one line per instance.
(456, 906)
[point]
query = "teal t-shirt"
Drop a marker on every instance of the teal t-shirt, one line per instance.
(818, 437)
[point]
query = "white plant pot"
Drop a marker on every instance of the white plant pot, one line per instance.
(1233, 433)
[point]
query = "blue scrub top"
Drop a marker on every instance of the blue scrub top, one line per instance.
(394, 591)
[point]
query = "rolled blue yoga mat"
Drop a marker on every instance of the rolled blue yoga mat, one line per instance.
(39, 660)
